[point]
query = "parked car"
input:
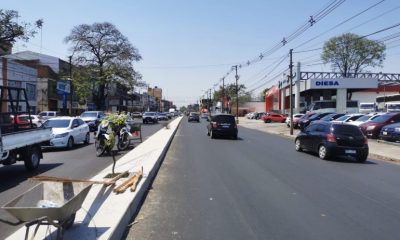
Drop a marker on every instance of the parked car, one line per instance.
(194, 116)
(296, 118)
(390, 132)
(317, 116)
(222, 125)
(67, 131)
(48, 114)
(148, 117)
(365, 118)
(332, 116)
(273, 117)
(348, 118)
(92, 118)
(259, 115)
(330, 139)
(250, 115)
(304, 119)
(372, 128)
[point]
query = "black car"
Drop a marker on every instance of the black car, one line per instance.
(193, 117)
(222, 125)
(317, 116)
(333, 139)
(332, 116)
(390, 132)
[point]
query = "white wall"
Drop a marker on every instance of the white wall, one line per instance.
(254, 106)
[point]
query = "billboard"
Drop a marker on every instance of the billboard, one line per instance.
(63, 87)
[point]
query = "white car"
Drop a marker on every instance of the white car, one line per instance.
(68, 131)
(365, 118)
(348, 118)
(35, 119)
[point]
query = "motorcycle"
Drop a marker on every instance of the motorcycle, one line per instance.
(128, 133)
(104, 139)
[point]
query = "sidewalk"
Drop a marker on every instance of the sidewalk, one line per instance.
(377, 149)
(105, 214)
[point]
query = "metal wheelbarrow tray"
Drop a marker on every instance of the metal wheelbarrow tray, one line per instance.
(66, 199)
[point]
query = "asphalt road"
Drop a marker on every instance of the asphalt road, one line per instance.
(259, 187)
(78, 163)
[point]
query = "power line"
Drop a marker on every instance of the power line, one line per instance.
(311, 22)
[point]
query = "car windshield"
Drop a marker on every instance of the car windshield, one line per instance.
(149, 114)
(89, 114)
(194, 114)
(57, 123)
(364, 118)
(343, 118)
(381, 119)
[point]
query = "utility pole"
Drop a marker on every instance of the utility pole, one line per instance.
(223, 95)
(237, 94)
(71, 86)
(291, 90)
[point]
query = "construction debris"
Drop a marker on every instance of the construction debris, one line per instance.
(130, 182)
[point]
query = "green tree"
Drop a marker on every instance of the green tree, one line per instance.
(350, 53)
(108, 56)
(12, 30)
(230, 92)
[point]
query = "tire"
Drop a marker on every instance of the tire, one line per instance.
(87, 138)
(212, 135)
(70, 143)
(323, 152)
(268, 121)
(123, 142)
(235, 136)
(32, 159)
(361, 158)
(297, 145)
(100, 146)
(208, 133)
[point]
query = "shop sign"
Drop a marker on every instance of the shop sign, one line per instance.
(349, 83)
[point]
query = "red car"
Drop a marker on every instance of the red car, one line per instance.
(273, 117)
(372, 128)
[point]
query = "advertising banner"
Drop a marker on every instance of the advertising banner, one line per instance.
(349, 83)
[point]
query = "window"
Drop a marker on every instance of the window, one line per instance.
(51, 114)
(312, 128)
(81, 122)
(75, 122)
(352, 104)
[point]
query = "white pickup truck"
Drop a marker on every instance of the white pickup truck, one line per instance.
(19, 139)
(24, 146)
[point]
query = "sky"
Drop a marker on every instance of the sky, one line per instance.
(189, 46)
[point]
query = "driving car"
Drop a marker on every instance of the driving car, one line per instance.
(148, 117)
(92, 118)
(162, 116)
(273, 117)
(67, 131)
(193, 116)
(329, 139)
(372, 128)
(48, 114)
(222, 125)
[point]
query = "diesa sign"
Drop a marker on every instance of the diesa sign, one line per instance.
(350, 83)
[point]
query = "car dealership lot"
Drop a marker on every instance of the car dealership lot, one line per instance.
(378, 149)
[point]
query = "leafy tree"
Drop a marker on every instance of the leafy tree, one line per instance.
(351, 53)
(12, 30)
(183, 109)
(107, 55)
(230, 92)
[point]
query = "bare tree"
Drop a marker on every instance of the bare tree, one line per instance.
(108, 53)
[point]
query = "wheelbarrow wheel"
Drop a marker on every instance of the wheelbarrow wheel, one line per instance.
(67, 224)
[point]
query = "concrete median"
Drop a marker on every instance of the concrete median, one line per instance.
(104, 214)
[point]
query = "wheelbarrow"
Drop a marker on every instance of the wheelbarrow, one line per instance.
(49, 203)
